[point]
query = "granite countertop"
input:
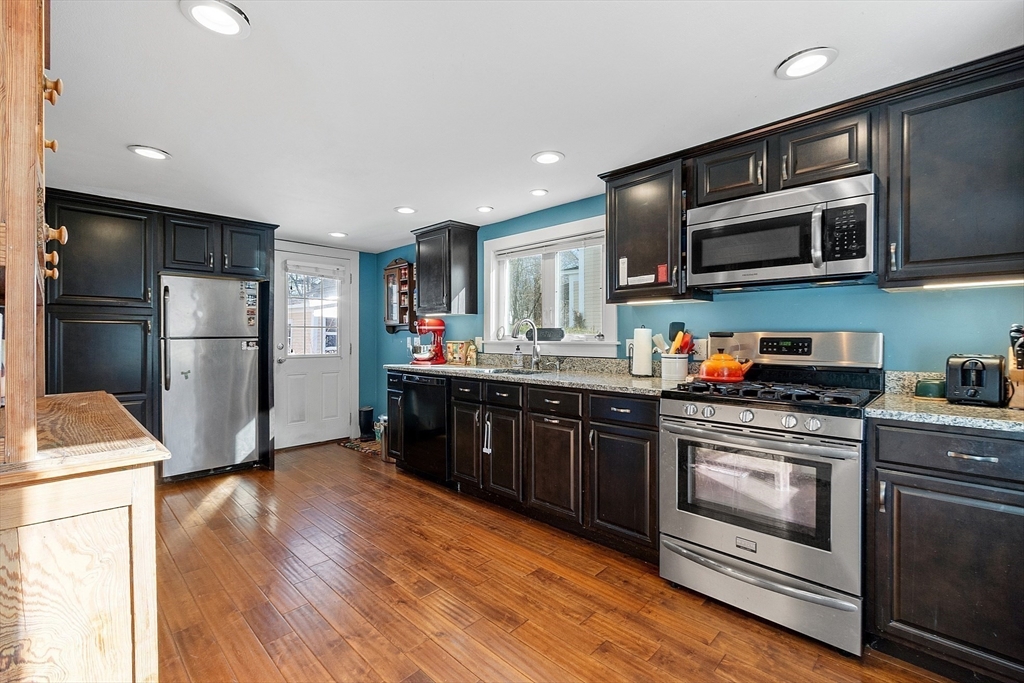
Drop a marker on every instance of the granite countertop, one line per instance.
(906, 407)
(626, 384)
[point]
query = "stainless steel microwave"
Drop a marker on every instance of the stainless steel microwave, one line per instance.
(819, 232)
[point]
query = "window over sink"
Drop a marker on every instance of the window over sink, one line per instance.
(556, 277)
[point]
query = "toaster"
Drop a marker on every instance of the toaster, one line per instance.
(977, 379)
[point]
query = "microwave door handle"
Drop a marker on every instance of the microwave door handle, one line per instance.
(817, 258)
(763, 442)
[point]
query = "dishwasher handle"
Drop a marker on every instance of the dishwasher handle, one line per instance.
(429, 381)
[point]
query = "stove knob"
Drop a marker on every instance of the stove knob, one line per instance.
(746, 416)
(789, 421)
(690, 409)
(708, 411)
(813, 424)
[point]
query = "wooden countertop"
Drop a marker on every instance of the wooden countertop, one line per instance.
(80, 433)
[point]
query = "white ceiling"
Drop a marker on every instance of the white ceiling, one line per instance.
(330, 114)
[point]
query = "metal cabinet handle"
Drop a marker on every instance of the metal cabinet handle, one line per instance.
(593, 440)
(552, 402)
(498, 393)
(487, 435)
(225, 259)
(166, 334)
(464, 390)
(817, 258)
(211, 259)
(760, 178)
(785, 164)
(976, 458)
(892, 256)
(149, 294)
(675, 275)
(550, 421)
(620, 410)
(881, 496)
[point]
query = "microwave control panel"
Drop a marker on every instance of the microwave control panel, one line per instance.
(846, 232)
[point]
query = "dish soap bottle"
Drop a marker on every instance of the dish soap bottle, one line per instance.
(517, 358)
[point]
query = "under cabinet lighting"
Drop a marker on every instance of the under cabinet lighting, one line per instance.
(806, 62)
(548, 157)
(338, 234)
(149, 152)
(982, 283)
(405, 209)
(538, 192)
(219, 16)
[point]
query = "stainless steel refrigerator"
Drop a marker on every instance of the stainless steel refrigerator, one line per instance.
(209, 356)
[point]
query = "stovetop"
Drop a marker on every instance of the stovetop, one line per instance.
(777, 392)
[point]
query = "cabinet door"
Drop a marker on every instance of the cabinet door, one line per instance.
(432, 273)
(644, 233)
(244, 250)
(108, 258)
(102, 351)
(553, 466)
(949, 566)
(395, 425)
(503, 437)
(732, 173)
(190, 244)
(624, 483)
(956, 169)
(466, 443)
(825, 151)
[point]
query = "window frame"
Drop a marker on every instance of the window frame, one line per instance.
(494, 296)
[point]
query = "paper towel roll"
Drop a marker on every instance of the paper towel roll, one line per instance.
(642, 350)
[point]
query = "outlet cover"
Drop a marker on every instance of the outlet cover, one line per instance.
(700, 349)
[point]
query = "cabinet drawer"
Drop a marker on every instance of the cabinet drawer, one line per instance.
(568, 403)
(466, 390)
(974, 455)
(622, 409)
(510, 395)
(395, 380)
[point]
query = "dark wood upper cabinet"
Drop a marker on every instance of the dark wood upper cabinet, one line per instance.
(554, 464)
(446, 269)
(466, 444)
(623, 490)
(825, 151)
(190, 244)
(956, 173)
(108, 260)
(503, 466)
(732, 173)
(243, 250)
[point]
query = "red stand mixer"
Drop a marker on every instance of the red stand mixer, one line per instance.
(432, 353)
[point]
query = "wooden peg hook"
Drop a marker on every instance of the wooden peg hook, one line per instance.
(51, 273)
(61, 235)
(56, 86)
(51, 96)
(51, 257)
(50, 144)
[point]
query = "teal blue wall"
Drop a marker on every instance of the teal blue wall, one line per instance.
(921, 328)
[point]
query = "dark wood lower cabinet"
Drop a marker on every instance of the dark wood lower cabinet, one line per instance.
(554, 460)
(623, 492)
(503, 464)
(465, 442)
(395, 425)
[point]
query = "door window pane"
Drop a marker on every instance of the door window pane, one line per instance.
(313, 302)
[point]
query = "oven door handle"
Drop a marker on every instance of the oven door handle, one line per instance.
(720, 439)
(789, 591)
(817, 236)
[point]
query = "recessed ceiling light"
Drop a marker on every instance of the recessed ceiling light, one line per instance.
(405, 209)
(149, 152)
(806, 62)
(538, 192)
(485, 209)
(549, 157)
(219, 16)
(338, 234)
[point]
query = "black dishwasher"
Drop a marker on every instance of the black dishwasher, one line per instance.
(425, 427)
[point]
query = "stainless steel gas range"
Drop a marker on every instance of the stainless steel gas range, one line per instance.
(760, 481)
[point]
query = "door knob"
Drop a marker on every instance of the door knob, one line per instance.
(281, 360)
(280, 346)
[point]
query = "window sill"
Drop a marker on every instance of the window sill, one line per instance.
(585, 349)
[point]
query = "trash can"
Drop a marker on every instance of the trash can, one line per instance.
(382, 425)
(366, 423)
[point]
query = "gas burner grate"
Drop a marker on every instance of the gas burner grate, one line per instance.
(780, 393)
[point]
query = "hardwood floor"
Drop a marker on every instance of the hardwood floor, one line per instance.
(335, 567)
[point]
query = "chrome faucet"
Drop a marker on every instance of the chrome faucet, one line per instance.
(535, 354)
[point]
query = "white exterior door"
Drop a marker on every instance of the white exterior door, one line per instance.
(312, 351)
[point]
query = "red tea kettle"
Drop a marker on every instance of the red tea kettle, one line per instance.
(722, 367)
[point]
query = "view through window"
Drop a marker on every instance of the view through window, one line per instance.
(312, 315)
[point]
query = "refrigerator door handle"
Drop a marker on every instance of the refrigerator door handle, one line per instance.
(163, 332)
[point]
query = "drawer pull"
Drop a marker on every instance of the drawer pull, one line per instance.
(620, 410)
(552, 402)
(498, 393)
(550, 421)
(464, 390)
(965, 456)
(881, 496)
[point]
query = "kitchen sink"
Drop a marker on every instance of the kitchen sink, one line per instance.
(514, 371)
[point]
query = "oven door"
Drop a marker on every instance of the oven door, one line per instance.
(784, 501)
(777, 245)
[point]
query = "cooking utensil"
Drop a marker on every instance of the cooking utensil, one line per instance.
(675, 328)
(659, 343)
(1017, 345)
